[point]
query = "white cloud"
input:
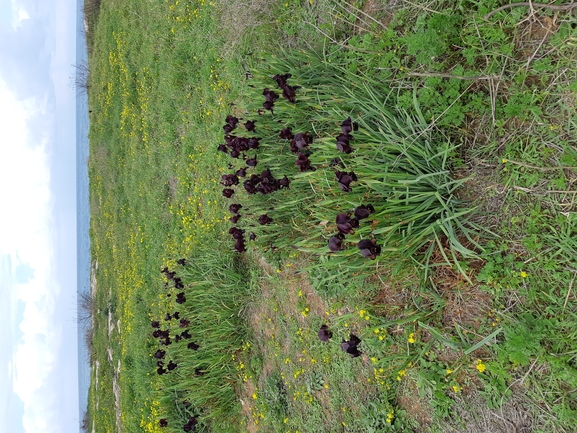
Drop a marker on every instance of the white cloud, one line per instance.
(19, 14)
(27, 234)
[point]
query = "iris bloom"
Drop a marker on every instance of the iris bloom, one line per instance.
(363, 211)
(264, 219)
(324, 333)
(346, 224)
(369, 248)
(251, 162)
(286, 134)
(345, 179)
(250, 125)
(347, 126)
(336, 242)
(350, 346)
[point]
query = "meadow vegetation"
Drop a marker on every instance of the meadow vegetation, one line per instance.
(452, 294)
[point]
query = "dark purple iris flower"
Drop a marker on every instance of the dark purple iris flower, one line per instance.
(181, 262)
(253, 143)
(343, 144)
(180, 298)
(229, 179)
(166, 341)
(336, 242)
(303, 163)
(252, 236)
(178, 284)
(348, 125)
(286, 134)
(162, 422)
(369, 248)
(161, 371)
(324, 333)
(191, 424)
(345, 179)
(193, 346)
(231, 120)
(176, 315)
(168, 317)
(171, 365)
(234, 208)
(236, 232)
(155, 324)
(346, 224)
(363, 211)
(222, 148)
(303, 139)
(250, 125)
(270, 98)
(252, 162)
(234, 219)
(240, 246)
(241, 172)
(228, 192)
(264, 219)
(289, 93)
(351, 346)
(159, 354)
(186, 334)
(284, 182)
(281, 79)
(183, 323)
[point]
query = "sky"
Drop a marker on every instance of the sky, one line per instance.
(38, 359)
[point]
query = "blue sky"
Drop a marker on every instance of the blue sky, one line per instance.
(38, 360)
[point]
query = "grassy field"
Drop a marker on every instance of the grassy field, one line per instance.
(465, 149)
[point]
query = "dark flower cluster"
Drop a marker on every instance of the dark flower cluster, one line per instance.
(346, 224)
(288, 92)
(191, 424)
(344, 180)
(164, 335)
(270, 98)
(299, 144)
(265, 183)
(238, 236)
(350, 346)
(344, 138)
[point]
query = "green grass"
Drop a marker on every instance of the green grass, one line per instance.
(468, 324)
